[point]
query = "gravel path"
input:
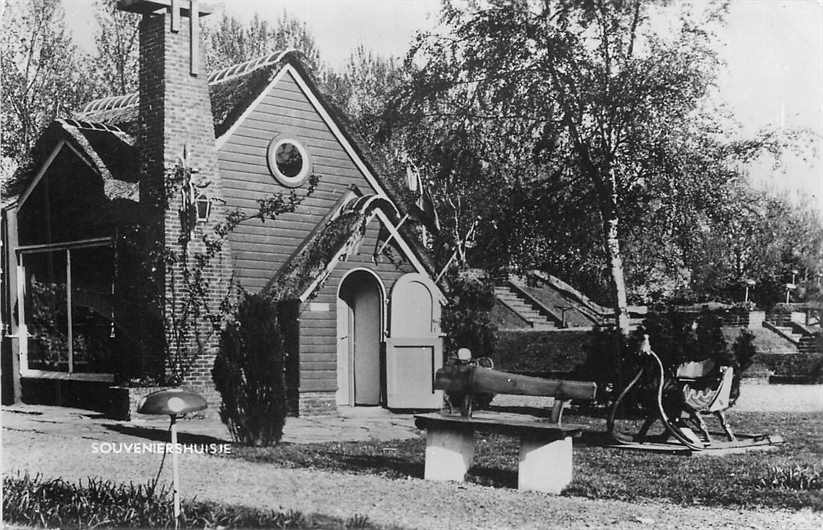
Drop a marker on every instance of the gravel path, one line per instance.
(753, 398)
(780, 398)
(39, 445)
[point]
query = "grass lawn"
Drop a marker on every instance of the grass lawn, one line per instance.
(790, 476)
(35, 501)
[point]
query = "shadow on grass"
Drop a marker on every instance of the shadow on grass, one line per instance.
(162, 434)
(539, 412)
(392, 459)
(788, 477)
(493, 476)
(384, 465)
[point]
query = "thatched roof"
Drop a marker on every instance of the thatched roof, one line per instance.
(108, 150)
(232, 90)
(337, 237)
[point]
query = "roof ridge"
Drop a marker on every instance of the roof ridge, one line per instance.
(240, 69)
(111, 102)
(218, 76)
(90, 125)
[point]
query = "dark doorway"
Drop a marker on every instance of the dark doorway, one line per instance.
(363, 303)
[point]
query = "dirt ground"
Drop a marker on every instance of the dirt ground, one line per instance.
(58, 442)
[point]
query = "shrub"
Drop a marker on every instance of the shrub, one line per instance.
(800, 477)
(743, 352)
(249, 374)
(608, 356)
(782, 308)
(676, 337)
(466, 318)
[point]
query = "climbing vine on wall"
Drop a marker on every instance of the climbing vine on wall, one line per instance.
(175, 297)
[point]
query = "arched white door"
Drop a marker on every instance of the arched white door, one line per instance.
(414, 350)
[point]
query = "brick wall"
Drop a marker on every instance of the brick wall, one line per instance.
(317, 404)
(123, 401)
(175, 114)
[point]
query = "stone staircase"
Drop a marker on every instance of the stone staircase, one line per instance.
(789, 333)
(510, 297)
(806, 342)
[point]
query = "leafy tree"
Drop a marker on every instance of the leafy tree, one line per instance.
(230, 41)
(43, 73)
(361, 90)
(760, 236)
(117, 41)
(590, 101)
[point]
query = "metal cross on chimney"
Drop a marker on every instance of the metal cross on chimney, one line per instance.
(191, 8)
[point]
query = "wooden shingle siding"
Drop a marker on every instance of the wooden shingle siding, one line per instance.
(318, 330)
(260, 248)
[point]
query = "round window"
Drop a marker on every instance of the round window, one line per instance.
(288, 161)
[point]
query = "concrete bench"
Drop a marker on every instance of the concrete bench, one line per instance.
(545, 461)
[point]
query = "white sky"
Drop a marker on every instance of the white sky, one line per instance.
(773, 50)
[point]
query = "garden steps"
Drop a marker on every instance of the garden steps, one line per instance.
(509, 297)
(787, 332)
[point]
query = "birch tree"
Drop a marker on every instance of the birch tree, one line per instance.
(562, 90)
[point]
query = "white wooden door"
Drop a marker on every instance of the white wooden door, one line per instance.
(414, 350)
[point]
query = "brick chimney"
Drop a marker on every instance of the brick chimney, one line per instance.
(175, 120)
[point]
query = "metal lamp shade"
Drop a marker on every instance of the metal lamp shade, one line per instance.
(171, 402)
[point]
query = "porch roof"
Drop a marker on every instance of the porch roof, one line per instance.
(108, 151)
(336, 237)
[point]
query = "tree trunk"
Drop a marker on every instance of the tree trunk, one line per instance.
(611, 221)
(621, 307)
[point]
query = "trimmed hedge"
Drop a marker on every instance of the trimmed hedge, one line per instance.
(546, 353)
(559, 352)
(806, 367)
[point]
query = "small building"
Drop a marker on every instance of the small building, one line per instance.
(126, 174)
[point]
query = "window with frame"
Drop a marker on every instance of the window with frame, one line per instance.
(68, 311)
(289, 161)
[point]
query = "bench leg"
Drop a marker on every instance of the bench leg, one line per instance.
(544, 465)
(449, 453)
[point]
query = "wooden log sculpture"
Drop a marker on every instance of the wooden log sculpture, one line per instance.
(461, 382)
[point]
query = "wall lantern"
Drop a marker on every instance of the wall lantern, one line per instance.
(203, 204)
(172, 402)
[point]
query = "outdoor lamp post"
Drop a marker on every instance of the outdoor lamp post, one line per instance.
(789, 288)
(563, 309)
(749, 283)
(172, 402)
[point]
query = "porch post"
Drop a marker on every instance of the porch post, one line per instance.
(13, 287)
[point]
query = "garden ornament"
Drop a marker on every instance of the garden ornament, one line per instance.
(172, 402)
(472, 383)
(698, 387)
